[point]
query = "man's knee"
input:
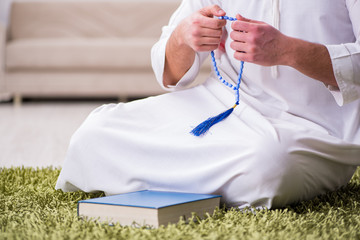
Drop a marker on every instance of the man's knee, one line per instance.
(295, 172)
(272, 157)
(277, 172)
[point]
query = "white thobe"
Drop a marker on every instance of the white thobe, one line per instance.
(291, 137)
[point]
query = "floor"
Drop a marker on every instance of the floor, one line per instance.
(37, 134)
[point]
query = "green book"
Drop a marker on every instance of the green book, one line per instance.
(151, 208)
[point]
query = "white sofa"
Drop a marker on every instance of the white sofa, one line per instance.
(78, 48)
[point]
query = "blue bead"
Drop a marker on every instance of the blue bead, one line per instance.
(237, 87)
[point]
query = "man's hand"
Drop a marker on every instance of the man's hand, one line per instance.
(199, 32)
(257, 42)
(260, 43)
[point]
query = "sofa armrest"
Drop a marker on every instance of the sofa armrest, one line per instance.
(2, 56)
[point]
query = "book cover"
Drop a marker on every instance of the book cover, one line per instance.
(147, 207)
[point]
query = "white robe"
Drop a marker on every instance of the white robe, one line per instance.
(290, 139)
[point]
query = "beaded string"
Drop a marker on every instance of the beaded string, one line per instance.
(203, 127)
(235, 88)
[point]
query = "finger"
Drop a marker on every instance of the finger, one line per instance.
(208, 13)
(210, 22)
(243, 56)
(208, 32)
(239, 47)
(213, 10)
(243, 19)
(206, 41)
(239, 36)
(241, 26)
(245, 24)
(207, 47)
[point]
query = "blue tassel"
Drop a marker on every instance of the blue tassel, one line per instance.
(203, 127)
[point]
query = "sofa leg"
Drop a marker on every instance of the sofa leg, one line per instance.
(123, 98)
(17, 99)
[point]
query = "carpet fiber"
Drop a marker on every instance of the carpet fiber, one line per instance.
(30, 208)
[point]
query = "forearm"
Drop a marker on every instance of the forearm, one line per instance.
(179, 57)
(311, 59)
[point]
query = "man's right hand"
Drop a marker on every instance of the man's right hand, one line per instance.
(199, 32)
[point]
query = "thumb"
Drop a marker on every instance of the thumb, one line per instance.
(241, 18)
(211, 11)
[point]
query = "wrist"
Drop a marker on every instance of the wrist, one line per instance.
(311, 59)
(290, 52)
(178, 38)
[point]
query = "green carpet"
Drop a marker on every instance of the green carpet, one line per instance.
(30, 208)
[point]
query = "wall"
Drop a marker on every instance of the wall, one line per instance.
(4, 10)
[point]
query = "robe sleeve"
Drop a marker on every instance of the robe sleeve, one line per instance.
(346, 61)
(186, 8)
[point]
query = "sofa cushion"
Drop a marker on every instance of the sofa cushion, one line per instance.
(79, 54)
(89, 19)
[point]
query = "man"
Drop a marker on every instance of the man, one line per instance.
(294, 135)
